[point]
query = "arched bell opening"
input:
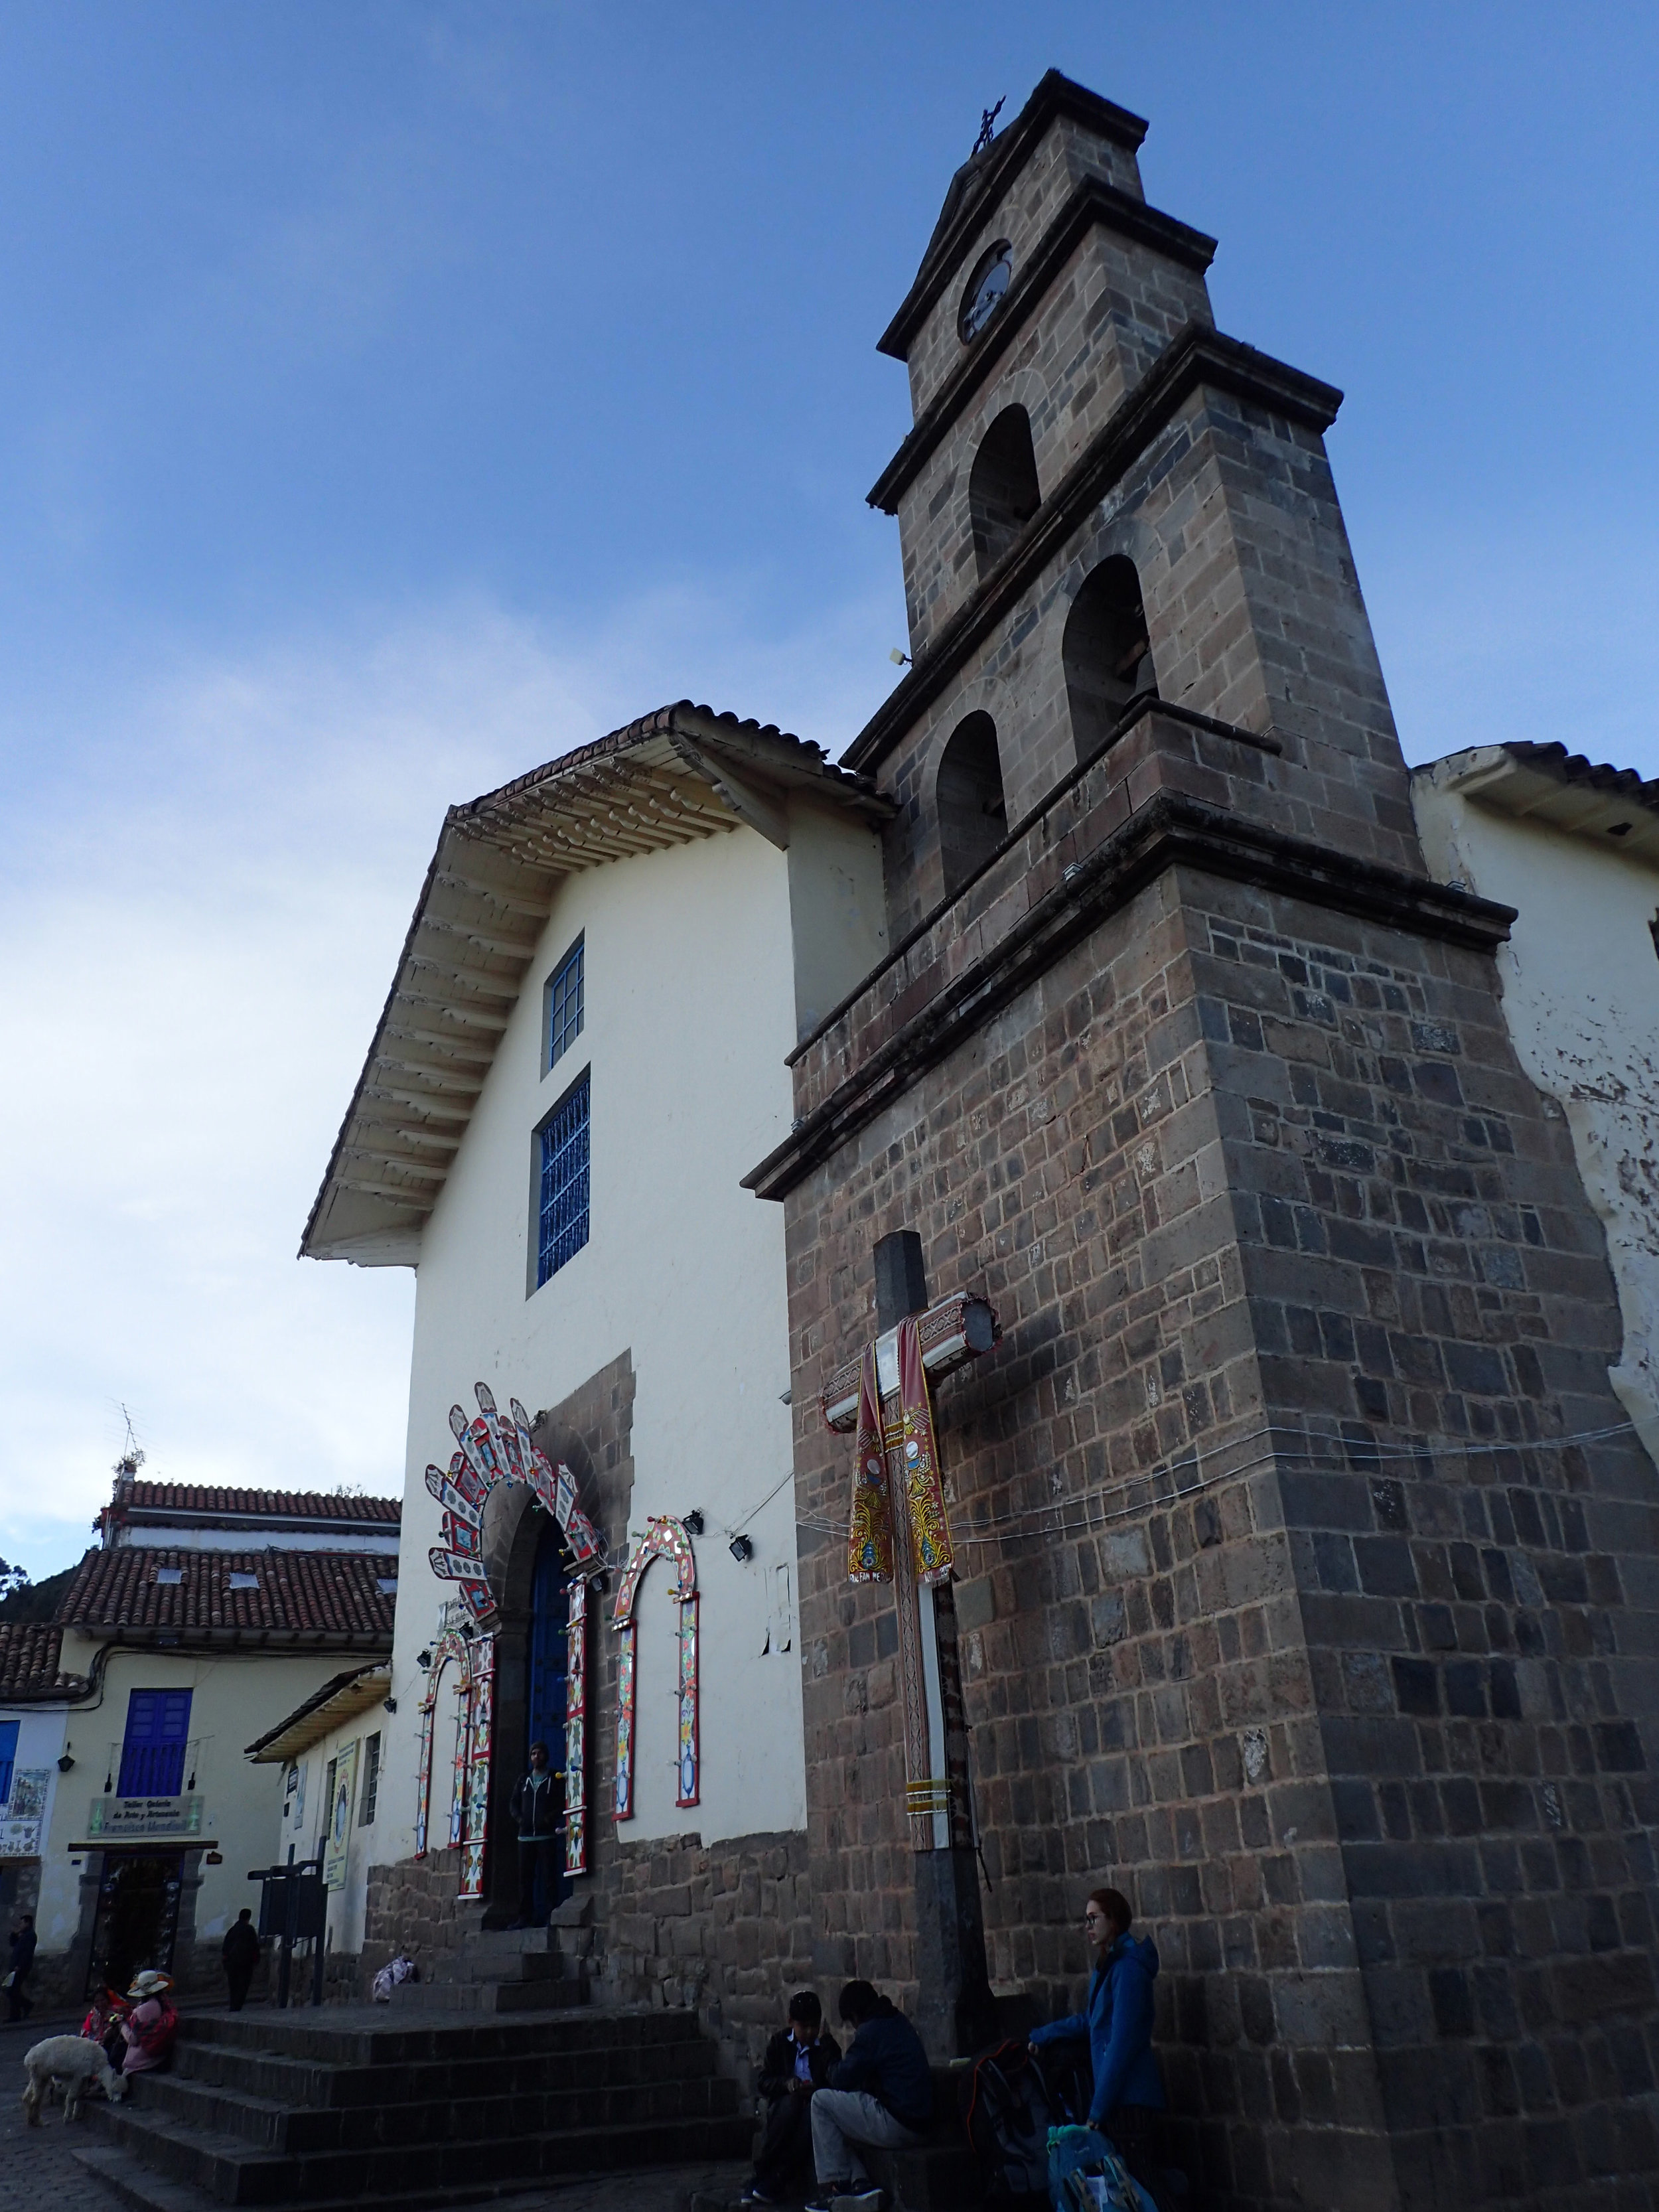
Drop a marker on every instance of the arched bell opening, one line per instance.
(1003, 492)
(1106, 653)
(973, 816)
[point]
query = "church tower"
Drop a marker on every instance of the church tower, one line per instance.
(1305, 1582)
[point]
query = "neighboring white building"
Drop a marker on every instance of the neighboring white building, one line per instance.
(583, 1053)
(327, 1790)
(33, 1714)
(201, 1620)
(1574, 848)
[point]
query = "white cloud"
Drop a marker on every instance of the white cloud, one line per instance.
(197, 938)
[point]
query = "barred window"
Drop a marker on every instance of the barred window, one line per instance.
(561, 1209)
(565, 1003)
(371, 1780)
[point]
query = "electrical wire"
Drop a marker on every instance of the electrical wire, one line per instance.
(1369, 1456)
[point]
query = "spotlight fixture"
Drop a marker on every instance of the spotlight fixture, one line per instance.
(390, 1704)
(423, 1661)
(742, 1549)
(65, 1761)
(692, 1522)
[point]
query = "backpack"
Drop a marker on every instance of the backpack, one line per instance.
(1007, 2111)
(1086, 2174)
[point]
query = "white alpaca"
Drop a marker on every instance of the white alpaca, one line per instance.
(73, 2063)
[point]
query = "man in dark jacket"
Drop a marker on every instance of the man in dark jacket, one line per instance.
(240, 1953)
(797, 2063)
(22, 1959)
(881, 2094)
(538, 1805)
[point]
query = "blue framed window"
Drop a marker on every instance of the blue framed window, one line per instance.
(8, 1758)
(566, 1003)
(562, 1198)
(153, 1749)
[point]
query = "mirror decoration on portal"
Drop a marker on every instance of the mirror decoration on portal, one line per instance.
(492, 1451)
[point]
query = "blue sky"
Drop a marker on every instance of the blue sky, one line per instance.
(393, 396)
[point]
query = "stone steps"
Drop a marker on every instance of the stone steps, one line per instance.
(317, 2112)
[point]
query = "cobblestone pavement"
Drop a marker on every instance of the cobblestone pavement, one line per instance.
(36, 2169)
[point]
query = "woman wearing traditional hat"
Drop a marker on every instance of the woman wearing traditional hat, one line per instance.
(150, 2027)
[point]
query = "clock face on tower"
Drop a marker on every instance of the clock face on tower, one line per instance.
(986, 288)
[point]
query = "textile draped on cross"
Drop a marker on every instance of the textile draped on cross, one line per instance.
(869, 1534)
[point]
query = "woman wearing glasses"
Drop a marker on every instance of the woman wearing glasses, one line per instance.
(1117, 2021)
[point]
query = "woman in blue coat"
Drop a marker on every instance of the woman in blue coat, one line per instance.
(1117, 2021)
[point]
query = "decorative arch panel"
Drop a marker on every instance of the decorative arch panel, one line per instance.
(664, 1538)
(491, 1448)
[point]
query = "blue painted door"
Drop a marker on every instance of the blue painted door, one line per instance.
(153, 1749)
(549, 1616)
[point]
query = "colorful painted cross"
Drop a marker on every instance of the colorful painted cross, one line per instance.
(949, 1334)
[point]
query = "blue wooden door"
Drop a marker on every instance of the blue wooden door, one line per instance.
(153, 1749)
(550, 1615)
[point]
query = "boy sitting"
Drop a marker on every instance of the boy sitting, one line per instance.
(797, 2062)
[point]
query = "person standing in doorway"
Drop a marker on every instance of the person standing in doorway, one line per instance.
(538, 1803)
(240, 1952)
(23, 1961)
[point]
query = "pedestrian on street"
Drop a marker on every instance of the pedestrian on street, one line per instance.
(22, 1959)
(240, 1952)
(538, 1805)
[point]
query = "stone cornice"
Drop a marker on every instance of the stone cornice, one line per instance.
(1169, 831)
(1055, 95)
(1199, 356)
(1093, 204)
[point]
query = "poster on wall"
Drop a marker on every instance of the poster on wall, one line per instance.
(20, 1830)
(339, 1818)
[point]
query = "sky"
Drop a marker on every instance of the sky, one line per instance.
(393, 397)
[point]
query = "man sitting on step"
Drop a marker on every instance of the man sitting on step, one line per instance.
(538, 1803)
(797, 2064)
(881, 2095)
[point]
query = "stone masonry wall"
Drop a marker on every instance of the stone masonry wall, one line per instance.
(1285, 1608)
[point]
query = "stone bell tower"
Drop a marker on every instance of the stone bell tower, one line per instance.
(1307, 1582)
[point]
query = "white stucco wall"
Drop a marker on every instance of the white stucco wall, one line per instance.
(691, 1012)
(234, 1699)
(1580, 979)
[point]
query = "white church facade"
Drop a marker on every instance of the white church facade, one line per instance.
(584, 1050)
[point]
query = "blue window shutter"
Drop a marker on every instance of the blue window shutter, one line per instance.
(153, 1750)
(8, 1758)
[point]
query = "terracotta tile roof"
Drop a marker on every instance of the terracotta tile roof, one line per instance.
(309, 1504)
(304, 1594)
(28, 1657)
(1594, 776)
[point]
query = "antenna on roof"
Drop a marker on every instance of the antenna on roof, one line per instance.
(988, 125)
(131, 1458)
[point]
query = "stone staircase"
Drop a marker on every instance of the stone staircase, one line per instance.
(347, 2107)
(499, 1969)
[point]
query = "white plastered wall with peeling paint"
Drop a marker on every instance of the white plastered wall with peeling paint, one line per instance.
(1580, 979)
